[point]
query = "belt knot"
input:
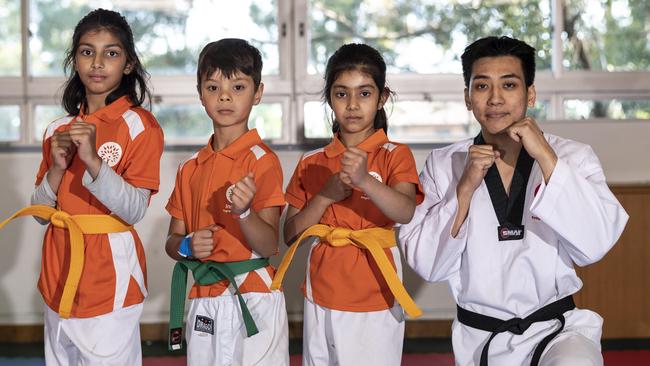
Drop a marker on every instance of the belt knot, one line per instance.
(60, 219)
(338, 236)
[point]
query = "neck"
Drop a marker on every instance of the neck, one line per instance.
(508, 147)
(354, 139)
(94, 103)
(224, 136)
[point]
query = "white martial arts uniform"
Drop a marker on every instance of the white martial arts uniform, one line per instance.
(573, 219)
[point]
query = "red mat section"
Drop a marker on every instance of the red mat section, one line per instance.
(612, 358)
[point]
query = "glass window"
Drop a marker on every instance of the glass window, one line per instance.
(607, 35)
(607, 109)
(169, 34)
(43, 116)
(424, 36)
(189, 123)
(9, 123)
(10, 52)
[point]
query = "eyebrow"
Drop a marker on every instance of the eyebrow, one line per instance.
(107, 46)
(506, 76)
(352, 87)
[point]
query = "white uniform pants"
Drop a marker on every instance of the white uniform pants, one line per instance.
(111, 339)
(216, 334)
(332, 337)
(571, 349)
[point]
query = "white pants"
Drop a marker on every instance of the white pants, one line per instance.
(332, 337)
(216, 334)
(111, 339)
(571, 349)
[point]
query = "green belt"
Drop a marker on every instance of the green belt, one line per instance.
(207, 273)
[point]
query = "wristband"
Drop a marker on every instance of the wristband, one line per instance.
(243, 214)
(185, 249)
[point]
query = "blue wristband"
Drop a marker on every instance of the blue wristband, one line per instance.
(185, 249)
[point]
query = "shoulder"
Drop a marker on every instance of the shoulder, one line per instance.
(188, 162)
(446, 152)
(54, 125)
(140, 120)
(312, 154)
(571, 151)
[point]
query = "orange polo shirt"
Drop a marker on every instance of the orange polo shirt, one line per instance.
(201, 198)
(130, 140)
(347, 278)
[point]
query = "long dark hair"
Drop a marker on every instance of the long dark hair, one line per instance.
(133, 84)
(356, 56)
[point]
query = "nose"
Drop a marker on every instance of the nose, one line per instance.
(98, 61)
(353, 103)
(496, 97)
(224, 97)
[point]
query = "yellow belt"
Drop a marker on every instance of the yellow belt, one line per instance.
(374, 240)
(77, 225)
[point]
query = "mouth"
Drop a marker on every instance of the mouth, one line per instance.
(97, 78)
(225, 112)
(353, 118)
(495, 115)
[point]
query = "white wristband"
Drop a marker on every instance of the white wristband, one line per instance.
(244, 214)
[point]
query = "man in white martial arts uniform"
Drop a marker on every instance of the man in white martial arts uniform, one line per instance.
(505, 217)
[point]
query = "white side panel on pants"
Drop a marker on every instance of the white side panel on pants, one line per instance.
(111, 339)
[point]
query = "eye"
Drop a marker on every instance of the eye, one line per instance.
(365, 93)
(510, 85)
(211, 88)
(85, 52)
(239, 87)
(480, 86)
(112, 53)
(339, 94)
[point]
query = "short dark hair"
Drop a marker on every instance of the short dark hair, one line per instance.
(366, 59)
(500, 46)
(230, 55)
(134, 84)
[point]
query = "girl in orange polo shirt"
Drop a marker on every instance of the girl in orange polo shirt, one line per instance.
(102, 159)
(361, 180)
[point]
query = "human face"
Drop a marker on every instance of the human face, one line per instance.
(228, 101)
(497, 93)
(355, 100)
(100, 61)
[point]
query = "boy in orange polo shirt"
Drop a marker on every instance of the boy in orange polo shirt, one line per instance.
(225, 210)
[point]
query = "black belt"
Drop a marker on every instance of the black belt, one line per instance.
(554, 310)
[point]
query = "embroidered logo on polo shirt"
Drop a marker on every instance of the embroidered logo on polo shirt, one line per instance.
(204, 324)
(110, 152)
(229, 193)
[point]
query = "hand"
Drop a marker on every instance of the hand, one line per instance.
(479, 159)
(203, 241)
(354, 166)
(83, 137)
(62, 150)
(528, 133)
(335, 190)
(242, 194)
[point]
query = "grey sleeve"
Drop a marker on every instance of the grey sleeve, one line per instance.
(124, 200)
(43, 195)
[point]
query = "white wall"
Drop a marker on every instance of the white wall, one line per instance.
(621, 146)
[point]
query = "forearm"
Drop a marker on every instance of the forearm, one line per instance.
(44, 196)
(173, 244)
(260, 235)
(309, 215)
(396, 205)
(54, 177)
(124, 200)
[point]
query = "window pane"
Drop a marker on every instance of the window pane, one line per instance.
(189, 122)
(607, 109)
(10, 51)
(424, 36)
(169, 34)
(9, 123)
(607, 35)
(43, 115)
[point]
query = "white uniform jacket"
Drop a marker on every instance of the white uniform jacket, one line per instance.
(574, 218)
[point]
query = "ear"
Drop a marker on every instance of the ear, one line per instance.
(258, 94)
(128, 68)
(468, 102)
(531, 96)
(383, 98)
